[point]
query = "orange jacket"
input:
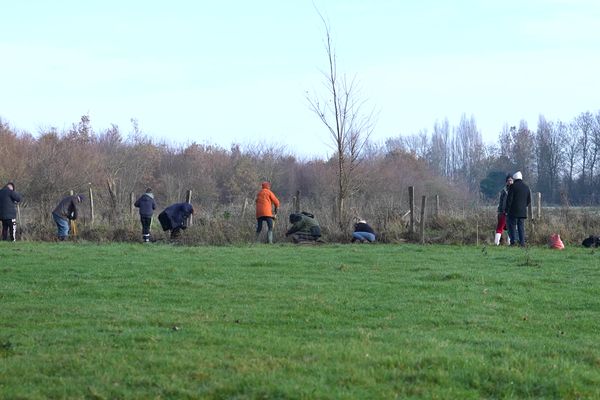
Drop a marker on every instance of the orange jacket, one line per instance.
(265, 199)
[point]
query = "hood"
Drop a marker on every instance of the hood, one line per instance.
(517, 175)
(266, 185)
(150, 195)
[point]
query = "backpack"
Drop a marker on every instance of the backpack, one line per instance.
(592, 241)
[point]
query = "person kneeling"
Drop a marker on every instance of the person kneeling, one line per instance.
(363, 232)
(304, 229)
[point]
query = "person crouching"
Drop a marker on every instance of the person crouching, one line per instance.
(363, 232)
(305, 228)
(174, 218)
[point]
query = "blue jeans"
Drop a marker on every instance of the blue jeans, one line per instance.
(62, 225)
(516, 226)
(362, 236)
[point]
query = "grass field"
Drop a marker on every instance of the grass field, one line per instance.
(340, 321)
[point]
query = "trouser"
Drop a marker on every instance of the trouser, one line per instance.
(176, 232)
(363, 236)
(259, 224)
(501, 225)
(9, 229)
(62, 225)
(146, 223)
(304, 237)
(516, 226)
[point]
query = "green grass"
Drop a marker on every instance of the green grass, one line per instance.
(363, 321)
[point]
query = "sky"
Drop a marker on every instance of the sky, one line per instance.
(223, 72)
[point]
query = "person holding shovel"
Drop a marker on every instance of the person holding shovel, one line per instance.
(65, 214)
(8, 211)
(266, 210)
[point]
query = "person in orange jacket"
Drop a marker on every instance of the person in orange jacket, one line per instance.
(266, 210)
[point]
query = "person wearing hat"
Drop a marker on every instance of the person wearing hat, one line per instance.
(266, 210)
(517, 201)
(363, 232)
(64, 212)
(147, 205)
(8, 211)
(501, 225)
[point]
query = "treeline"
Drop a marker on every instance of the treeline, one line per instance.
(559, 159)
(49, 165)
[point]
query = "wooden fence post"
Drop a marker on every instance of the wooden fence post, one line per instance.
(131, 204)
(539, 205)
(423, 203)
(297, 202)
(244, 207)
(188, 199)
(411, 204)
(437, 206)
(91, 194)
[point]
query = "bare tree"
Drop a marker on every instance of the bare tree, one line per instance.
(348, 125)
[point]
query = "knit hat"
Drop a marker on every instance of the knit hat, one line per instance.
(149, 190)
(517, 175)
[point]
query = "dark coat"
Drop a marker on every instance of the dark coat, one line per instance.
(519, 197)
(8, 203)
(363, 227)
(67, 208)
(502, 201)
(146, 204)
(175, 216)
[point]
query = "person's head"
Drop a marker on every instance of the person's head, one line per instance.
(517, 176)
(295, 218)
(266, 185)
(10, 185)
(361, 221)
(148, 190)
(509, 180)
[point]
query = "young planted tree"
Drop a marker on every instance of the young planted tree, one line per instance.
(349, 126)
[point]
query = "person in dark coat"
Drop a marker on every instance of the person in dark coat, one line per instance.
(8, 211)
(64, 212)
(174, 218)
(363, 232)
(501, 224)
(147, 205)
(305, 228)
(517, 201)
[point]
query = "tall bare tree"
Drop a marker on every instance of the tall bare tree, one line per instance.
(349, 126)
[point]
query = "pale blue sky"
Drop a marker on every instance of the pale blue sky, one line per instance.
(238, 71)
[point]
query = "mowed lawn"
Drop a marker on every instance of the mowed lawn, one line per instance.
(312, 322)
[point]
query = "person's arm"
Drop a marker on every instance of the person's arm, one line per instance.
(137, 203)
(72, 210)
(509, 199)
(15, 197)
(294, 228)
(153, 204)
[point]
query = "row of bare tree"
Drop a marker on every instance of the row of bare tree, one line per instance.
(559, 159)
